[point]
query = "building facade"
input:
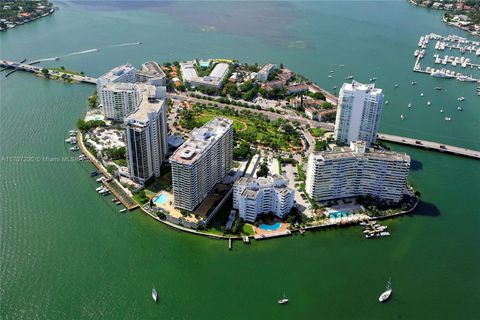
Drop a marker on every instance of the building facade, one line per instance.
(119, 100)
(266, 70)
(120, 75)
(255, 196)
(358, 113)
(146, 132)
(357, 171)
(201, 162)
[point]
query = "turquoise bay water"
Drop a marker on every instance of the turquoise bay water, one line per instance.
(66, 253)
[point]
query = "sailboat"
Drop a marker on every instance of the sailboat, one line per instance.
(385, 295)
(154, 294)
(284, 300)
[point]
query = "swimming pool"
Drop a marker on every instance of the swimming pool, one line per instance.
(272, 227)
(160, 199)
(339, 214)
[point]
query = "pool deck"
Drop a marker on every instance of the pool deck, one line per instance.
(265, 234)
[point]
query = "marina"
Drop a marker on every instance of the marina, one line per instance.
(451, 43)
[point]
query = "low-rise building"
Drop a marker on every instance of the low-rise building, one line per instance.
(357, 171)
(266, 70)
(256, 196)
(152, 73)
(214, 79)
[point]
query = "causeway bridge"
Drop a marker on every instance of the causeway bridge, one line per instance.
(430, 145)
(35, 69)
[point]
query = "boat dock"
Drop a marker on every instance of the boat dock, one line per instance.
(35, 69)
(430, 145)
(229, 243)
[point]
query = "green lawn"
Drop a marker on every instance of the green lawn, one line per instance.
(248, 229)
(316, 132)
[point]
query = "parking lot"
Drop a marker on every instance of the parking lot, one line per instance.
(301, 200)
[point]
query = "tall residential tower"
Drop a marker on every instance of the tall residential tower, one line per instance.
(146, 131)
(358, 113)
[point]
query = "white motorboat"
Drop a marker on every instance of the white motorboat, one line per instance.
(461, 99)
(421, 94)
(409, 105)
(387, 293)
(448, 119)
(74, 148)
(99, 179)
(386, 102)
(284, 300)
(154, 294)
(459, 108)
(428, 103)
(441, 110)
(402, 117)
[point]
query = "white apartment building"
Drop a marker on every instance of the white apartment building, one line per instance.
(214, 79)
(266, 70)
(121, 74)
(119, 100)
(152, 73)
(358, 113)
(357, 171)
(201, 162)
(255, 196)
(146, 131)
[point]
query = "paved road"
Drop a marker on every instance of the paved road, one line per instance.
(271, 115)
(430, 145)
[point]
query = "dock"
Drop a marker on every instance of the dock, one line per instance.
(430, 145)
(229, 243)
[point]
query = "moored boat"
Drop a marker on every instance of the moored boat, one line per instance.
(387, 293)
(284, 300)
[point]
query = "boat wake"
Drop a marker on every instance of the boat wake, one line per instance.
(124, 44)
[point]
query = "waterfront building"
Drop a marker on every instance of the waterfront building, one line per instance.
(255, 196)
(214, 79)
(266, 70)
(119, 100)
(146, 132)
(201, 162)
(121, 74)
(357, 171)
(358, 113)
(152, 73)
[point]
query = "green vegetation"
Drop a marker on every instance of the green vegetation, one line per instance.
(242, 151)
(63, 70)
(93, 101)
(45, 72)
(140, 197)
(248, 230)
(321, 145)
(263, 170)
(20, 10)
(316, 132)
(252, 128)
(116, 153)
(83, 125)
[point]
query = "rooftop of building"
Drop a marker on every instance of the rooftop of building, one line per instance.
(215, 77)
(267, 67)
(117, 72)
(201, 139)
(148, 104)
(153, 69)
(357, 86)
(360, 149)
(120, 86)
(253, 185)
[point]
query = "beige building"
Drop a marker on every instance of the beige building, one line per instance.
(201, 162)
(357, 171)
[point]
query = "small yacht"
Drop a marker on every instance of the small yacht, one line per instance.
(329, 75)
(396, 85)
(99, 179)
(387, 293)
(154, 294)
(99, 188)
(441, 110)
(284, 300)
(335, 88)
(448, 119)
(386, 102)
(123, 210)
(461, 99)
(373, 79)
(409, 105)
(402, 117)
(414, 83)
(75, 148)
(349, 78)
(331, 71)
(421, 94)
(342, 65)
(438, 88)
(459, 108)
(428, 103)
